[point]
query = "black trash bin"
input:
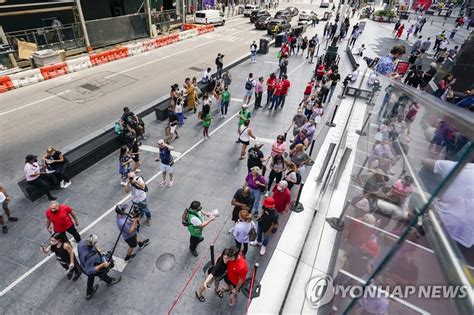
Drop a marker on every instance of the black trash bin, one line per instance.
(279, 39)
(263, 47)
(297, 30)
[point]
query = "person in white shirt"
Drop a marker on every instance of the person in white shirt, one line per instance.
(136, 184)
(206, 76)
(34, 176)
(253, 52)
(249, 88)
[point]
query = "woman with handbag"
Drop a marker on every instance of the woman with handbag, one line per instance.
(244, 231)
(257, 184)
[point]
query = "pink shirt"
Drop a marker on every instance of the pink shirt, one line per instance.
(31, 169)
(259, 87)
(401, 190)
(278, 148)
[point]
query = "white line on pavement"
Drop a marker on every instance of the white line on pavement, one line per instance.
(236, 99)
(266, 140)
(33, 103)
(124, 199)
(272, 62)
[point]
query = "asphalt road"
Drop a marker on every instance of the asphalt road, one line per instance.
(58, 113)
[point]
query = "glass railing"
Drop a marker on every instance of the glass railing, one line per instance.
(406, 247)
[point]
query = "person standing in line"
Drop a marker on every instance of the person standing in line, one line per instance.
(307, 92)
(249, 88)
(128, 227)
(237, 270)
(257, 183)
(277, 166)
(311, 47)
(136, 184)
(270, 87)
(292, 175)
(245, 133)
(242, 229)
(4, 201)
(63, 218)
(55, 161)
(253, 52)
(226, 96)
(166, 162)
(196, 223)
(298, 121)
(267, 221)
(282, 196)
(244, 115)
(276, 95)
(206, 121)
(243, 200)
(256, 157)
(219, 65)
(285, 86)
(94, 264)
(259, 93)
(62, 249)
(35, 177)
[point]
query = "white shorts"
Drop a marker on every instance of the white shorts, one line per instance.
(248, 92)
(166, 168)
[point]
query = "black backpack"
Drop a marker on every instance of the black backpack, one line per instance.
(298, 178)
(249, 84)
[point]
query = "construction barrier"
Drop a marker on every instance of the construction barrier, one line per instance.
(149, 45)
(173, 38)
(79, 64)
(119, 53)
(53, 71)
(189, 26)
(134, 49)
(100, 58)
(6, 84)
(26, 78)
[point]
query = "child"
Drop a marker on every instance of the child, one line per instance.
(179, 111)
(125, 159)
(206, 120)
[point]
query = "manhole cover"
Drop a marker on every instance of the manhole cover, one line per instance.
(165, 262)
(90, 87)
(196, 69)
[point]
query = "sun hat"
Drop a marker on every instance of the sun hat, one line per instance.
(269, 203)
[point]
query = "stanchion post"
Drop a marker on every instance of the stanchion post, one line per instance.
(338, 223)
(362, 132)
(331, 123)
(312, 146)
(296, 205)
(341, 96)
(212, 255)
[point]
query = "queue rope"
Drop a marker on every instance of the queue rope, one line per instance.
(251, 290)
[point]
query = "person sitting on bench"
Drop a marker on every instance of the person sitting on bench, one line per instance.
(36, 177)
(55, 161)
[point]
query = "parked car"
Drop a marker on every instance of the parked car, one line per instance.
(324, 4)
(283, 15)
(209, 17)
(292, 10)
(306, 15)
(249, 8)
(256, 14)
(261, 23)
(283, 24)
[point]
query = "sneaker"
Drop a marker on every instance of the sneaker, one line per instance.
(5, 229)
(69, 274)
(61, 184)
(138, 170)
(163, 182)
(231, 230)
(67, 184)
(144, 243)
(255, 243)
(12, 219)
(195, 253)
(115, 280)
(148, 222)
(123, 183)
(170, 183)
(94, 289)
(130, 257)
(263, 249)
(77, 276)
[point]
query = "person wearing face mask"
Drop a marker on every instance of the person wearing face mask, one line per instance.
(35, 176)
(60, 246)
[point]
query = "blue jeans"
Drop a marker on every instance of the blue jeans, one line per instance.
(261, 238)
(269, 96)
(275, 101)
(257, 194)
(253, 56)
(180, 118)
(224, 106)
(331, 92)
(385, 101)
(143, 206)
(218, 73)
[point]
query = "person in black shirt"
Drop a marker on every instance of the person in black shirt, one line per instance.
(171, 128)
(219, 65)
(335, 78)
(55, 161)
(256, 157)
(60, 246)
(243, 200)
(132, 144)
(267, 222)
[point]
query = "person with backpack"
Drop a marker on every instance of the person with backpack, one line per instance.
(128, 227)
(195, 220)
(249, 88)
(292, 176)
(136, 184)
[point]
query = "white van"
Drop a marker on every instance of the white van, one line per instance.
(249, 8)
(209, 17)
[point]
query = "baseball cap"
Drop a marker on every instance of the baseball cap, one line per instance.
(269, 203)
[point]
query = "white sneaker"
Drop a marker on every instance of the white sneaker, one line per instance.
(255, 243)
(138, 170)
(263, 249)
(170, 183)
(231, 230)
(123, 183)
(61, 184)
(67, 184)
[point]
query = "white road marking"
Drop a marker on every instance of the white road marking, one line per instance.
(123, 200)
(265, 140)
(33, 103)
(237, 99)
(272, 62)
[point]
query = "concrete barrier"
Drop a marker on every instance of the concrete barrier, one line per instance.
(6, 84)
(79, 64)
(26, 78)
(134, 49)
(54, 71)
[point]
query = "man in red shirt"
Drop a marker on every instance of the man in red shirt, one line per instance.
(282, 196)
(270, 87)
(307, 91)
(284, 51)
(285, 86)
(63, 218)
(237, 270)
(276, 95)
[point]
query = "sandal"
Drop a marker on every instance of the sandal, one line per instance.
(219, 293)
(200, 298)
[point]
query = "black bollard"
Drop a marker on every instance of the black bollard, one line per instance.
(344, 87)
(331, 123)
(361, 132)
(338, 223)
(212, 255)
(296, 205)
(312, 146)
(284, 136)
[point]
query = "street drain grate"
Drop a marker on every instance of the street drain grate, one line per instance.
(165, 262)
(196, 69)
(90, 87)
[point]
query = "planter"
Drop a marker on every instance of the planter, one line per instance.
(382, 19)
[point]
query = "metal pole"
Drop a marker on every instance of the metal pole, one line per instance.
(361, 132)
(338, 223)
(296, 206)
(83, 26)
(312, 146)
(184, 12)
(148, 17)
(213, 262)
(331, 123)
